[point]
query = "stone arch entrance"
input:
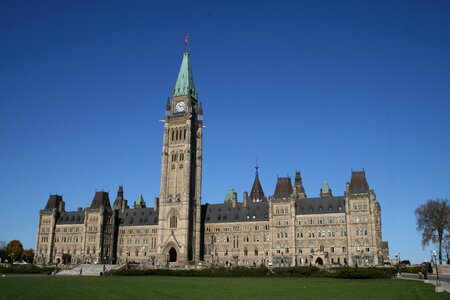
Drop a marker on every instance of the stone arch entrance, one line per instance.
(172, 255)
(319, 261)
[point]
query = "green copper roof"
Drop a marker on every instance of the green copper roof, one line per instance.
(185, 80)
(230, 195)
(140, 200)
(325, 187)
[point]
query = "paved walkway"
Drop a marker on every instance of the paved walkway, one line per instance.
(431, 280)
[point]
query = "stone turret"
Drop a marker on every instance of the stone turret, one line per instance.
(257, 193)
(298, 185)
(139, 203)
(120, 203)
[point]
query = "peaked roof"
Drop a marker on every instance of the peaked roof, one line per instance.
(283, 189)
(185, 80)
(257, 193)
(54, 201)
(101, 199)
(325, 191)
(140, 201)
(358, 182)
(231, 195)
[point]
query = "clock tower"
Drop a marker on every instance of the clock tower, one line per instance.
(181, 172)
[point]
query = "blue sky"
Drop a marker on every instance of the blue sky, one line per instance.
(323, 87)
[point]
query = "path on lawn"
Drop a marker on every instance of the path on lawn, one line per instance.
(444, 280)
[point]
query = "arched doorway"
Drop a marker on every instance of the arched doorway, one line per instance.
(319, 261)
(172, 255)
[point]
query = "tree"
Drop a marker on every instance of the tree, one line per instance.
(28, 255)
(433, 220)
(3, 254)
(14, 249)
(446, 246)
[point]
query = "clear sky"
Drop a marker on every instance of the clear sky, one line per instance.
(323, 87)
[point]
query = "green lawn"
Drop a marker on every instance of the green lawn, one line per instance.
(158, 287)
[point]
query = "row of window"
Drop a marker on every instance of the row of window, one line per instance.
(70, 229)
(321, 221)
(177, 156)
(321, 233)
(69, 239)
(358, 219)
(358, 246)
(359, 206)
(312, 249)
(212, 251)
(281, 210)
(178, 134)
(138, 241)
(89, 251)
(137, 251)
(139, 231)
(319, 209)
(281, 222)
(236, 217)
(361, 231)
(246, 239)
(237, 228)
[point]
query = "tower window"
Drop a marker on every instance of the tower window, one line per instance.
(185, 134)
(173, 221)
(173, 135)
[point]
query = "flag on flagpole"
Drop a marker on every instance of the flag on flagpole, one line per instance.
(186, 41)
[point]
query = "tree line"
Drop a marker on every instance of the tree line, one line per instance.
(14, 252)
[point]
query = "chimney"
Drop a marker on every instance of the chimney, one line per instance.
(245, 199)
(156, 205)
(234, 200)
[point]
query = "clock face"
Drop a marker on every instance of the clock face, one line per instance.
(181, 106)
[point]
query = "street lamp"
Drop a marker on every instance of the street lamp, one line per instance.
(438, 283)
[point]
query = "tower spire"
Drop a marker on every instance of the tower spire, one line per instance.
(185, 81)
(257, 193)
(299, 185)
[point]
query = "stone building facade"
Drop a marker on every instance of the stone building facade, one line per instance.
(285, 229)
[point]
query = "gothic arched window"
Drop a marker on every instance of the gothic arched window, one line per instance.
(173, 221)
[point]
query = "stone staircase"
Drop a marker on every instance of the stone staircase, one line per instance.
(89, 270)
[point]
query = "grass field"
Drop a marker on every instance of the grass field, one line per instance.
(158, 287)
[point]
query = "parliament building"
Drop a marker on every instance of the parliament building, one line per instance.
(285, 229)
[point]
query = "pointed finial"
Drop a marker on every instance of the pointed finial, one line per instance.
(256, 166)
(168, 103)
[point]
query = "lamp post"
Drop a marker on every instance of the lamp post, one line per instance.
(438, 283)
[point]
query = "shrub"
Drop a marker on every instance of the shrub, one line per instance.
(211, 272)
(26, 269)
(296, 271)
(362, 273)
(306, 271)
